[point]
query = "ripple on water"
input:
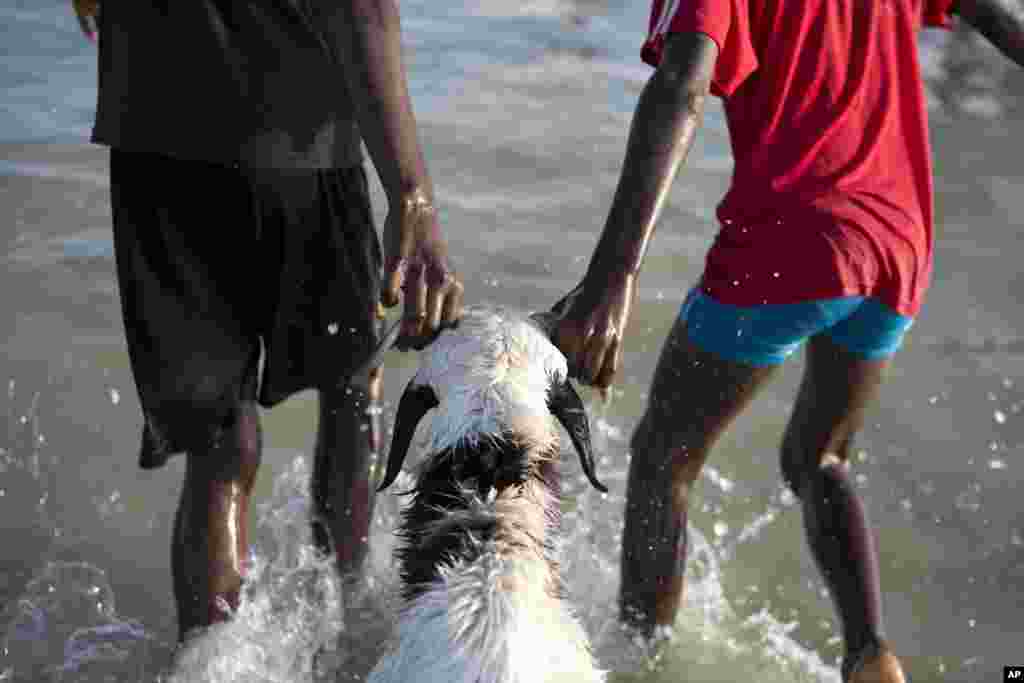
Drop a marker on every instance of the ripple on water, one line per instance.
(65, 628)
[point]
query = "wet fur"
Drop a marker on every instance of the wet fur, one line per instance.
(483, 598)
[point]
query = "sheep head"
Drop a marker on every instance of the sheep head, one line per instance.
(496, 373)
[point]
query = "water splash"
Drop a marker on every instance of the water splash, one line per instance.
(711, 640)
(65, 628)
(296, 623)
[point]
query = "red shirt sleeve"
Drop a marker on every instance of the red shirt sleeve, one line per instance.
(936, 13)
(727, 22)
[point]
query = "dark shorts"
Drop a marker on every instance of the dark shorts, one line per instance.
(238, 285)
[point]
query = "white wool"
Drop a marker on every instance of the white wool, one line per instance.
(491, 375)
(492, 619)
(488, 620)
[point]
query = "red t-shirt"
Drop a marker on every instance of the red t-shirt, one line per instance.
(831, 192)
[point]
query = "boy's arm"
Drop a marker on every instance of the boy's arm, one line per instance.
(669, 112)
(415, 253)
(1000, 21)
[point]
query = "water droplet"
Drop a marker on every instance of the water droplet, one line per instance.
(776, 274)
(115, 396)
(969, 500)
(332, 329)
(999, 416)
(735, 283)
(997, 464)
(725, 484)
(971, 623)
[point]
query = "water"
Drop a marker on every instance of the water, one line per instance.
(524, 110)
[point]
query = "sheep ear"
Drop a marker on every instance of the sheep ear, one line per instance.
(416, 401)
(546, 320)
(565, 404)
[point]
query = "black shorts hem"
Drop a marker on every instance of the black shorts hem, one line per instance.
(238, 285)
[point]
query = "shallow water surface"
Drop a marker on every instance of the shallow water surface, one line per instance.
(524, 109)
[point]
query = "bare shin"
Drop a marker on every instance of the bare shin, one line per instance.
(210, 545)
(695, 395)
(343, 495)
(836, 390)
(840, 539)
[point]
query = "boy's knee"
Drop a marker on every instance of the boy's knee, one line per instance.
(660, 451)
(237, 451)
(800, 465)
(650, 445)
(248, 433)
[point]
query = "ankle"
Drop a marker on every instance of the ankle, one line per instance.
(649, 623)
(873, 663)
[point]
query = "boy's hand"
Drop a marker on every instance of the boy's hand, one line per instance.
(590, 325)
(416, 264)
(88, 12)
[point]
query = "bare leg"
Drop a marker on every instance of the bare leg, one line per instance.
(347, 442)
(210, 545)
(837, 388)
(694, 397)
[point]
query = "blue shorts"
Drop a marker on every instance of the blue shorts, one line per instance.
(768, 334)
